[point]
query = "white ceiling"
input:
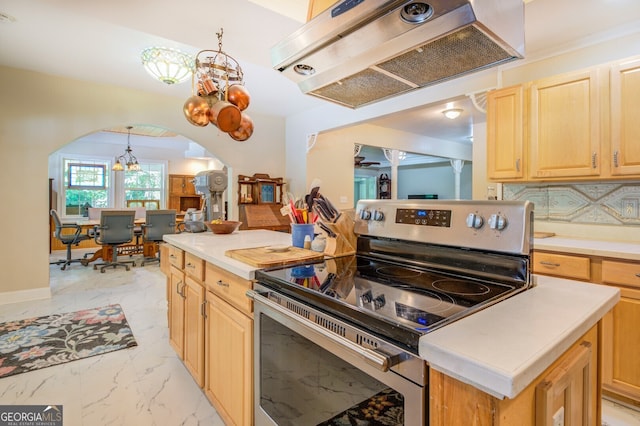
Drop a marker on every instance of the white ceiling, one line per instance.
(101, 41)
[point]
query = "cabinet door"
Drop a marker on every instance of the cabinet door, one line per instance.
(229, 361)
(625, 125)
(564, 133)
(176, 310)
(505, 133)
(194, 329)
(621, 345)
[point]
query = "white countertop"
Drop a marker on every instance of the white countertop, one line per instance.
(499, 350)
(503, 348)
(211, 247)
(622, 250)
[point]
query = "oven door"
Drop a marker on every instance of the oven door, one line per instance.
(308, 375)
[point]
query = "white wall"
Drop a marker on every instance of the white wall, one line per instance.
(39, 114)
(437, 178)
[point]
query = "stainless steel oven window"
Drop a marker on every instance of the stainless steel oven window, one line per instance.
(302, 378)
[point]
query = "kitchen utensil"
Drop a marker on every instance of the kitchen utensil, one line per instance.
(239, 96)
(196, 110)
(245, 130)
(326, 229)
(225, 116)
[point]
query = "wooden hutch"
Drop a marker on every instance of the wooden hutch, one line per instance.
(259, 202)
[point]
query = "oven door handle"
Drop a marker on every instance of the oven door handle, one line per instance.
(376, 359)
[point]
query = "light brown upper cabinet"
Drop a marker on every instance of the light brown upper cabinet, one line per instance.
(505, 130)
(318, 6)
(564, 126)
(577, 126)
(625, 118)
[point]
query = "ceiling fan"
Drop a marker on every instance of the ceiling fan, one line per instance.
(358, 161)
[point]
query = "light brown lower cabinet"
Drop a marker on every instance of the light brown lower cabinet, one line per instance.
(194, 311)
(620, 331)
(621, 368)
(229, 361)
(452, 402)
(211, 329)
(175, 294)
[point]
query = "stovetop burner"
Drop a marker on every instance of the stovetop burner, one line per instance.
(397, 272)
(461, 287)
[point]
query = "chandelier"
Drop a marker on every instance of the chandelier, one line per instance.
(168, 65)
(218, 94)
(126, 159)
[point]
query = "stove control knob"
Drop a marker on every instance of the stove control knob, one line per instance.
(497, 222)
(366, 298)
(365, 214)
(379, 302)
(378, 215)
(474, 221)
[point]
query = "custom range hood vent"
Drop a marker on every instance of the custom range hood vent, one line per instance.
(363, 51)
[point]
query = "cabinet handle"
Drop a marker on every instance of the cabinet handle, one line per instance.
(638, 275)
(594, 158)
(518, 165)
(549, 264)
(178, 290)
(615, 158)
(190, 265)
(203, 309)
(222, 283)
(172, 256)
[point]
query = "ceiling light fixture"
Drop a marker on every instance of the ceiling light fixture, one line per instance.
(168, 65)
(452, 113)
(126, 159)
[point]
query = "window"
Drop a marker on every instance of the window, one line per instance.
(89, 182)
(145, 186)
(86, 184)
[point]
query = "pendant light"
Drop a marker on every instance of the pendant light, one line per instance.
(127, 159)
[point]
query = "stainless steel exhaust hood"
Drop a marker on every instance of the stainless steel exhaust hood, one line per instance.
(362, 51)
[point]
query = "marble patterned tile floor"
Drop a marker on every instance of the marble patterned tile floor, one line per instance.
(144, 385)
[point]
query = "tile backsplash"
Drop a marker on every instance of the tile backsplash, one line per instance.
(609, 203)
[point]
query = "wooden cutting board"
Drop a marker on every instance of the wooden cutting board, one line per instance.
(262, 257)
(543, 234)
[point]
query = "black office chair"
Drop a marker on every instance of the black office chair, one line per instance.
(67, 239)
(157, 224)
(116, 229)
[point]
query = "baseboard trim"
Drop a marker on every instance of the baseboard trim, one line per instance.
(25, 295)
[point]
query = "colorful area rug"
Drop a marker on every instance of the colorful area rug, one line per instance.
(35, 343)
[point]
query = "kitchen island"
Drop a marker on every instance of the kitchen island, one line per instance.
(501, 352)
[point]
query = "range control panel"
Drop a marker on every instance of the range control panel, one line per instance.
(504, 226)
(424, 217)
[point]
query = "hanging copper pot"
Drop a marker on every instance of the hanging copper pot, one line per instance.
(225, 116)
(239, 96)
(245, 130)
(196, 109)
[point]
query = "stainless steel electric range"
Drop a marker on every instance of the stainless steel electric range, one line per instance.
(419, 265)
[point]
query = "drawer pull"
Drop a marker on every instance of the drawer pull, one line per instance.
(222, 283)
(172, 256)
(555, 265)
(190, 265)
(638, 275)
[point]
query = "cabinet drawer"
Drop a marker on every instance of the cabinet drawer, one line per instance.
(561, 265)
(229, 287)
(176, 257)
(622, 273)
(194, 266)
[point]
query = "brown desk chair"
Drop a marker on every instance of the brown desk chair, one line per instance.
(67, 239)
(116, 228)
(157, 224)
